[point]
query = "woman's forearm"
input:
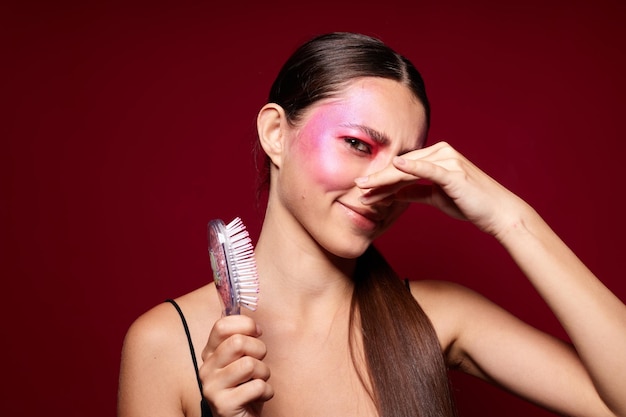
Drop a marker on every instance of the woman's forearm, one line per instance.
(593, 317)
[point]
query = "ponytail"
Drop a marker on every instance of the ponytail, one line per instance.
(406, 371)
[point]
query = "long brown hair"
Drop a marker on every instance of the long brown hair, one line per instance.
(405, 364)
(405, 370)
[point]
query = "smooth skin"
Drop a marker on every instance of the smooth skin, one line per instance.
(337, 183)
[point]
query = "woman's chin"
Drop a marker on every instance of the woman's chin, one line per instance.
(350, 250)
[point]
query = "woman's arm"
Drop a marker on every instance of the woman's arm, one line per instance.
(594, 318)
(484, 340)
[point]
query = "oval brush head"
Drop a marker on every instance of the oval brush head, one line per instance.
(234, 268)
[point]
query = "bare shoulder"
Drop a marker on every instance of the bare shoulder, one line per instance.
(156, 372)
(153, 330)
(150, 331)
(447, 304)
(469, 325)
(436, 289)
(443, 297)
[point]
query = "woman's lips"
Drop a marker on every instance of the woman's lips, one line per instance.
(364, 218)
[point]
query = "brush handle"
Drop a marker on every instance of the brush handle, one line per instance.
(220, 264)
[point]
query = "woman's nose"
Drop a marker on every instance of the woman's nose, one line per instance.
(379, 163)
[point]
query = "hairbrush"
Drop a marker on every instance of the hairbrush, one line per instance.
(234, 267)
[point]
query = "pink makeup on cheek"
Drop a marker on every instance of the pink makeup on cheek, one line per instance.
(323, 154)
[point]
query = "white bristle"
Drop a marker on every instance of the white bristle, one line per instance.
(244, 266)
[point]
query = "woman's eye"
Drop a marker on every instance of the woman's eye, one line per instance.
(358, 145)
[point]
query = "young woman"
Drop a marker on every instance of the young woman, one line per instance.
(338, 333)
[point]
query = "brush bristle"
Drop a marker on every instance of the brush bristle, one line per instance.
(244, 271)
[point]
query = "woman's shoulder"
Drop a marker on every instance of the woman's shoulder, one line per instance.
(432, 293)
(447, 304)
(153, 329)
(155, 360)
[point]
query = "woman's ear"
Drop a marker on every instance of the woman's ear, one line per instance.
(271, 124)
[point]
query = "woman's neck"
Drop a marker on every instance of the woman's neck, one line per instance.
(297, 275)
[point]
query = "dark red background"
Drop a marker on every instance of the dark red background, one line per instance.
(126, 128)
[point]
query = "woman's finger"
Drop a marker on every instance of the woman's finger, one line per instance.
(238, 372)
(421, 164)
(238, 346)
(245, 399)
(228, 326)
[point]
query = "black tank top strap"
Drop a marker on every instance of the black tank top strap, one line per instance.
(204, 405)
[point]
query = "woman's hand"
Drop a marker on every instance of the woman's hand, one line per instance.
(234, 377)
(440, 176)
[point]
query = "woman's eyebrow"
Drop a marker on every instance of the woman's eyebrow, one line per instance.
(378, 137)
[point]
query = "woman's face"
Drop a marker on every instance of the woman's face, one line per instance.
(353, 134)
